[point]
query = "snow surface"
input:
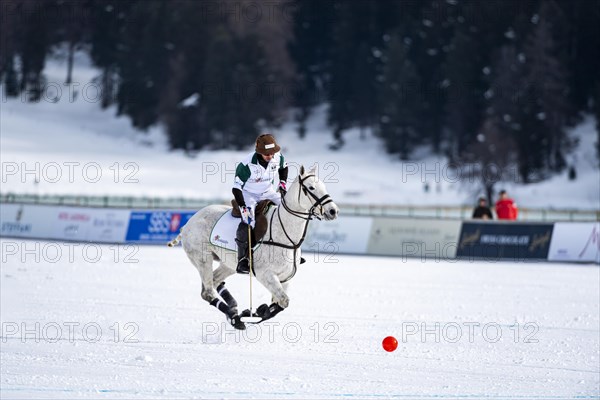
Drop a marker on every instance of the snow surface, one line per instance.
(326, 345)
(68, 138)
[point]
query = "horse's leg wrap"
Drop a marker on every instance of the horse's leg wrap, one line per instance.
(268, 312)
(231, 313)
(226, 296)
(223, 307)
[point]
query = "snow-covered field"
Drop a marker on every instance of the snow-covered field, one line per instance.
(66, 144)
(128, 322)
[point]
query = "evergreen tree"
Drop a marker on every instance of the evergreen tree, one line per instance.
(143, 62)
(108, 24)
(310, 50)
(506, 93)
(400, 123)
(580, 41)
(596, 102)
(464, 101)
(235, 92)
(547, 99)
(11, 80)
(363, 88)
(36, 42)
(358, 40)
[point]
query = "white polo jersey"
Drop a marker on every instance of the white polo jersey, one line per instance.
(250, 176)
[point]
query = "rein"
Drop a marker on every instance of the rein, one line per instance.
(306, 216)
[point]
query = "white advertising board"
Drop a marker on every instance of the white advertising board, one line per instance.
(25, 221)
(347, 235)
(83, 224)
(575, 241)
(425, 238)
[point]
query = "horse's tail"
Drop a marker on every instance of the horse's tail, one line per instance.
(175, 241)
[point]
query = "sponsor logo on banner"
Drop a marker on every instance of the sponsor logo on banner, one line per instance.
(512, 240)
(73, 223)
(109, 226)
(575, 241)
(26, 221)
(156, 226)
(11, 221)
(9, 228)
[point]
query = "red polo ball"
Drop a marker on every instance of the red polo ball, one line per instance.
(389, 344)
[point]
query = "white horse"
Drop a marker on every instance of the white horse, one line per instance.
(275, 260)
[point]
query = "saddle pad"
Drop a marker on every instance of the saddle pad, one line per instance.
(223, 233)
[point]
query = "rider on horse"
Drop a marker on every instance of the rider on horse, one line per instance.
(254, 178)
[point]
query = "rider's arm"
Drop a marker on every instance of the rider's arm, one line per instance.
(242, 173)
(239, 197)
(283, 174)
(283, 168)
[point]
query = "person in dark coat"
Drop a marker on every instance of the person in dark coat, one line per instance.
(482, 211)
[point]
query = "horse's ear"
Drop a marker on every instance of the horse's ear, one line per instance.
(301, 170)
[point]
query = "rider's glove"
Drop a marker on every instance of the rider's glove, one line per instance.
(282, 188)
(246, 215)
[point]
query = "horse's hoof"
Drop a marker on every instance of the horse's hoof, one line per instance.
(246, 313)
(263, 311)
(237, 323)
(284, 302)
(268, 312)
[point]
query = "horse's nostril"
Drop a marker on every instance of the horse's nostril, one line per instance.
(332, 211)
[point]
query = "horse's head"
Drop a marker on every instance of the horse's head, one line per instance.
(312, 195)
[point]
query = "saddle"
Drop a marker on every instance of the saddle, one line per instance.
(261, 225)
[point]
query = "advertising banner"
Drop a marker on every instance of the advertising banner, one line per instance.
(509, 241)
(102, 225)
(346, 235)
(156, 226)
(425, 238)
(27, 221)
(83, 224)
(575, 241)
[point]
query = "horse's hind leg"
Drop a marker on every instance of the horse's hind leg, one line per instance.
(204, 267)
(219, 276)
(227, 297)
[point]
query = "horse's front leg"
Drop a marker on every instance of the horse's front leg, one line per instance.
(273, 285)
(284, 286)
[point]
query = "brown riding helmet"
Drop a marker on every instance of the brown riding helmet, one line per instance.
(265, 144)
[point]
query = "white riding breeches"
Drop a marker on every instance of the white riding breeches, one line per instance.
(252, 199)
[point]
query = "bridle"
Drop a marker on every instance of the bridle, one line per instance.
(319, 201)
(306, 216)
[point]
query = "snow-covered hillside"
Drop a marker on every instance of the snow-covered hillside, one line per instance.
(66, 144)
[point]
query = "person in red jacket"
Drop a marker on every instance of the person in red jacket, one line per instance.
(506, 207)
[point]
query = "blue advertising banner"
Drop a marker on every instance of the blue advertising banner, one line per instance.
(504, 240)
(156, 226)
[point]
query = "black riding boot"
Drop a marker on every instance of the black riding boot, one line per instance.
(243, 266)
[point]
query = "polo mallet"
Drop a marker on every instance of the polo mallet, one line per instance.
(246, 315)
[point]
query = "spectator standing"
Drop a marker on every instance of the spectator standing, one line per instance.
(482, 211)
(506, 207)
